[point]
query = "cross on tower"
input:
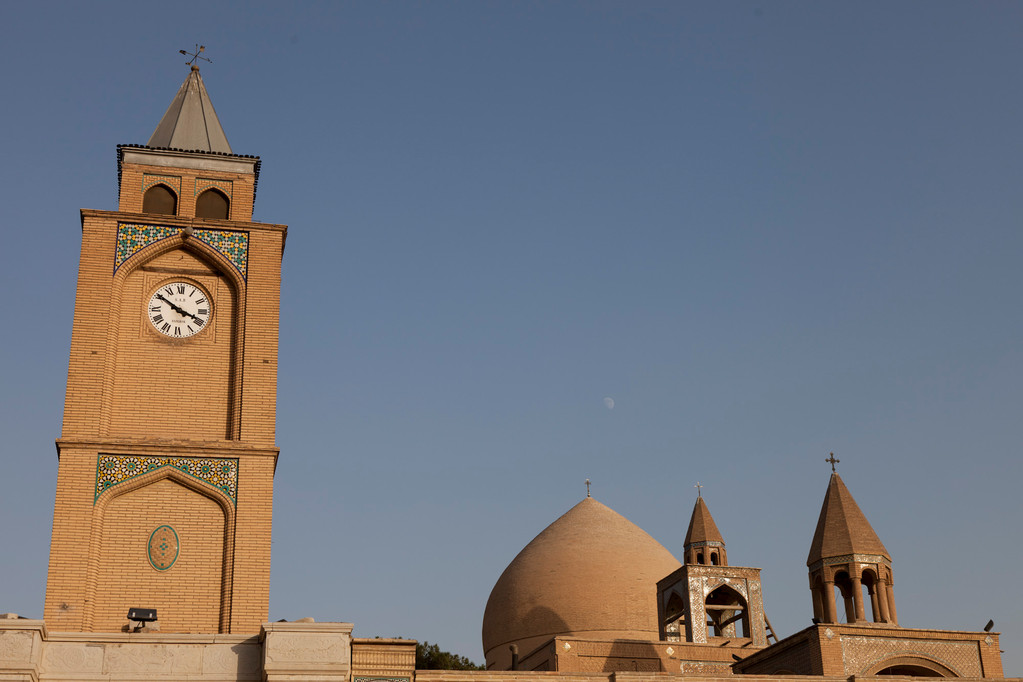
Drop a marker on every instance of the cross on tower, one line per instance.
(587, 487)
(833, 462)
(699, 489)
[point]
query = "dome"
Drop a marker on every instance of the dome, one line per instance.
(592, 573)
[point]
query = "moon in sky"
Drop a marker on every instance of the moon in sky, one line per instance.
(609, 403)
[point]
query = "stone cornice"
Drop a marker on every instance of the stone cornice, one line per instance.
(123, 216)
(164, 446)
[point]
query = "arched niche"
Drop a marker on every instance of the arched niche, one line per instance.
(160, 199)
(213, 204)
(194, 596)
(203, 371)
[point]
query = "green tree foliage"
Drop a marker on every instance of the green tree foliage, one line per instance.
(430, 657)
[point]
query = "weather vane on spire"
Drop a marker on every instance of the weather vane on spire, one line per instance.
(699, 489)
(196, 55)
(833, 461)
(587, 487)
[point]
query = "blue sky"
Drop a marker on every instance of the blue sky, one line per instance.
(768, 231)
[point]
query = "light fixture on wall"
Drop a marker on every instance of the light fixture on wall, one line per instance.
(142, 617)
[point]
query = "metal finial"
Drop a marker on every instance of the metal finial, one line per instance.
(587, 487)
(833, 461)
(699, 489)
(195, 55)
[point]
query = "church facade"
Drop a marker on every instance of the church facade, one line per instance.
(168, 442)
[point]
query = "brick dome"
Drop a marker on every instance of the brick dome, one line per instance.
(592, 573)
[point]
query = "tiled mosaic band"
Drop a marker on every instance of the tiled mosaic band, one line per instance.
(172, 181)
(112, 470)
(225, 186)
(133, 237)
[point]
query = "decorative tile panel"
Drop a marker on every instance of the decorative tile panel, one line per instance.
(163, 548)
(233, 245)
(132, 238)
(112, 470)
(172, 181)
(203, 184)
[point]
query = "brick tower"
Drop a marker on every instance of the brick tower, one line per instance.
(706, 599)
(167, 454)
(846, 553)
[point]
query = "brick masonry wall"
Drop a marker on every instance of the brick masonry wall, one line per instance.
(186, 595)
(187, 183)
(132, 391)
(832, 649)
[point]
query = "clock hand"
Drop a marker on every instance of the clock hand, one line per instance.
(178, 309)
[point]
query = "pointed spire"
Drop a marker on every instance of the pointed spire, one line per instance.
(703, 537)
(191, 123)
(843, 529)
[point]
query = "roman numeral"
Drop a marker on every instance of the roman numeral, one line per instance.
(199, 323)
(201, 300)
(190, 330)
(181, 288)
(156, 309)
(192, 292)
(166, 327)
(170, 292)
(203, 311)
(158, 319)
(177, 331)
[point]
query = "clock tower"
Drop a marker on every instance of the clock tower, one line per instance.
(167, 450)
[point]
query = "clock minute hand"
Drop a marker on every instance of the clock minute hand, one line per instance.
(179, 310)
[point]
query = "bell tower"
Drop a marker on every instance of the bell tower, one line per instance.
(706, 601)
(846, 553)
(167, 449)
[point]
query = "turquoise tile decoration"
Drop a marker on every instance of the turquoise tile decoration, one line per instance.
(133, 237)
(220, 472)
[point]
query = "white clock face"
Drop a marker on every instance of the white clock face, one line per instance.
(179, 309)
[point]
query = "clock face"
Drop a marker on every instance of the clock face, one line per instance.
(179, 309)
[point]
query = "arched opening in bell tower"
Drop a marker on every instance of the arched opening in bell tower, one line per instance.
(213, 204)
(726, 607)
(160, 199)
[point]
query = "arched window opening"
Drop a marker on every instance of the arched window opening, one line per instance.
(726, 607)
(699, 557)
(870, 595)
(160, 199)
(212, 204)
(844, 586)
(674, 618)
(714, 558)
(819, 596)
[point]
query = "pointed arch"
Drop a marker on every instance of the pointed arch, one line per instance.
(725, 606)
(160, 199)
(191, 484)
(673, 617)
(213, 203)
(216, 262)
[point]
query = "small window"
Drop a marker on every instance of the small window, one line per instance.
(160, 199)
(212, 204)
